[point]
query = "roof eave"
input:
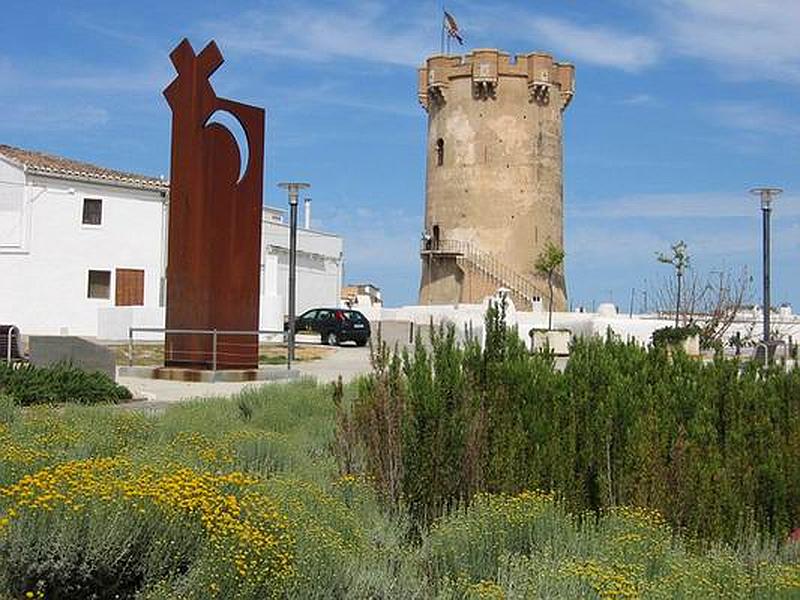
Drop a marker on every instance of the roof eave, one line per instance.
(87, 178)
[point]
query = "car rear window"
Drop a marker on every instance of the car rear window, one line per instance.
(354, 316)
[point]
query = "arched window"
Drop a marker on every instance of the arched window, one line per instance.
(439, 152)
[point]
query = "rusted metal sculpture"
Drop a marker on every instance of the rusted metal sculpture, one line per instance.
(214, 259)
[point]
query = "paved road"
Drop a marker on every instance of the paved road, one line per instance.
(347, 361)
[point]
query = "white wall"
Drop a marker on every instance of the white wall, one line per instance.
(45, 283)
(13, 217)
(637, 327)
(319, 266)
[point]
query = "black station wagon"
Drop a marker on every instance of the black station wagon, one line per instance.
(334, 325)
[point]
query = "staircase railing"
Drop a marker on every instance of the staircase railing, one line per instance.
(488, 265)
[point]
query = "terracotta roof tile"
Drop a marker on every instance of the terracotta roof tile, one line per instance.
(48, 164)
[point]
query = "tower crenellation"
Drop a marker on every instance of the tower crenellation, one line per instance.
(494, 194)
(486, 67)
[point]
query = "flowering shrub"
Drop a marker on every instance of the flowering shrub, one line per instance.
(159, 518)
(528, 546)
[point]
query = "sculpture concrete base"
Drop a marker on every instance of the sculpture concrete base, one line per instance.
(206, 376)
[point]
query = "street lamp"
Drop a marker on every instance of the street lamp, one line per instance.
(767, 195)
(293, 189)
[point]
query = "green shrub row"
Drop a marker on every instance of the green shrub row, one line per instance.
(64, 382)
(714, 447)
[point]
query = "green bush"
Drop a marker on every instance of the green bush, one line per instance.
(714, 447)
(668, 336)
(64, 382)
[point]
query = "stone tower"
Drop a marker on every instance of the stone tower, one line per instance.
(494, 192)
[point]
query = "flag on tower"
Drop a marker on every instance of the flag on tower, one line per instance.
(452, 27)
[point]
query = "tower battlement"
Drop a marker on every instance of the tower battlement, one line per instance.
(487, 67)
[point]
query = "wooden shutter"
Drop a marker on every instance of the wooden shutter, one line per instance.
(130, 287)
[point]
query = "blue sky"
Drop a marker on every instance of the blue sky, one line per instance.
(681, 107)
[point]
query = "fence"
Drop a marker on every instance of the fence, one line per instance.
(221, 345)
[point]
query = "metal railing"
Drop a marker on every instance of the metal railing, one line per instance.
(219, 348)
(488, 265)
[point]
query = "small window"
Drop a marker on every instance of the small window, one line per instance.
(439, 152)
(99, 284)
(92, 211)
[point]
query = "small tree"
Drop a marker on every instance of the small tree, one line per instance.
(679, 259)
(547, 264)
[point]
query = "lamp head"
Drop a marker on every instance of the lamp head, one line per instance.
(293, 187)
(766, 195)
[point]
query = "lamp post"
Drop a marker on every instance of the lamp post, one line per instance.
(767, 195)
(293, 189)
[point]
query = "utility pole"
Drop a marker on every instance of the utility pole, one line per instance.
(766, 195)
(633, 295)
(293, 189)
(644, 296)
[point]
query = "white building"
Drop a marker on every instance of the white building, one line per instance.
(83, 250)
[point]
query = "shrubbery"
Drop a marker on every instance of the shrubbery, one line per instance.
(667, 336)
(714, 447)
(241, 500)
(63, 382)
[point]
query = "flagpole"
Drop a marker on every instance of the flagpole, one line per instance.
(441, 48)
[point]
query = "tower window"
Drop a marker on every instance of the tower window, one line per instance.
(439, 152)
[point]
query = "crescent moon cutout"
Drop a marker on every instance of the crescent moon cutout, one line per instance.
(232, 124)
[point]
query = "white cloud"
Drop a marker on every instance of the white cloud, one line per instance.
(358, 30)
(639, 100)
(748, 40)
(38, 117)
(596, 45)
(755, 118)
(716, 205)
(610, 245)
(148, 80)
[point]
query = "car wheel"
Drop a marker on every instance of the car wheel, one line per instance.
(361, 343)
(332, 339)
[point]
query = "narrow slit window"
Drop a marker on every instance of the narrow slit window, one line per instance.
(439, 152)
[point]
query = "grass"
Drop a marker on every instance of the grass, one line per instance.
(149, 354)
(242, 498)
